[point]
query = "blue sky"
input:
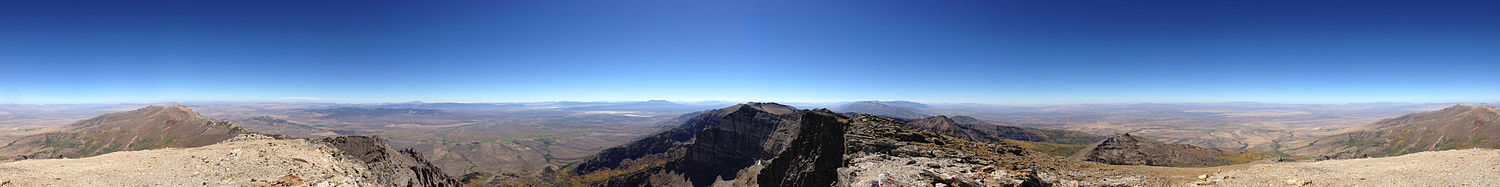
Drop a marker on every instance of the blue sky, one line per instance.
(1002, 52)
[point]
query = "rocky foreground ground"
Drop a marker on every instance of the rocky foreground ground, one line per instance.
(1468, 167)
(242, 161)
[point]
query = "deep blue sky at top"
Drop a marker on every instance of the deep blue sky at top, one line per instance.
(1005, 52)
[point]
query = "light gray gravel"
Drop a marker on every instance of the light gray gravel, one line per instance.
(243, 161)
(1468, 167)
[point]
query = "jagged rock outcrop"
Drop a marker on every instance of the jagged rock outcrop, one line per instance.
(1125, 149)
(1456, 127)
(884, 152)
(814, 156)
(151, 127)
(392, 168)
(713, 145)
(743, 138)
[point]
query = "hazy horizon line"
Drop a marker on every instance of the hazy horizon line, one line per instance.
(735, 101)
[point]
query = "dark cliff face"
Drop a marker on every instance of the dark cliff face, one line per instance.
(674, 141)
(745, 136)
(712, 145)
(813, 158)
(1125, 149)
(392, 167)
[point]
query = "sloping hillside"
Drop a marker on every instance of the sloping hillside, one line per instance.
(1124, 149)
(977, 131)
(1456, 127)
(1050, 141)
(146, 128)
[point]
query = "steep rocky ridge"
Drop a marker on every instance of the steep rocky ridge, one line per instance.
(151, 127)
(1125, 149)
(1050, 141)
(1456, 127)
(822, 148)
(391, 167)
(814, 155)
(712, 145)
(977, 131)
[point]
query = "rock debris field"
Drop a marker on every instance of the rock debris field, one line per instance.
(1468, 167)
(242, 161)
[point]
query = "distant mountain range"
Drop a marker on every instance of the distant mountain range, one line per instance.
(896, 109)
(368, 112)
(649, 106)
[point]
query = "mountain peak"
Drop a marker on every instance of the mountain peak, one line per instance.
(965, 120)
(1125, 137)
(180, 108)
(150, 127)
(768, 107)
(1459, 107)
(946, 119)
